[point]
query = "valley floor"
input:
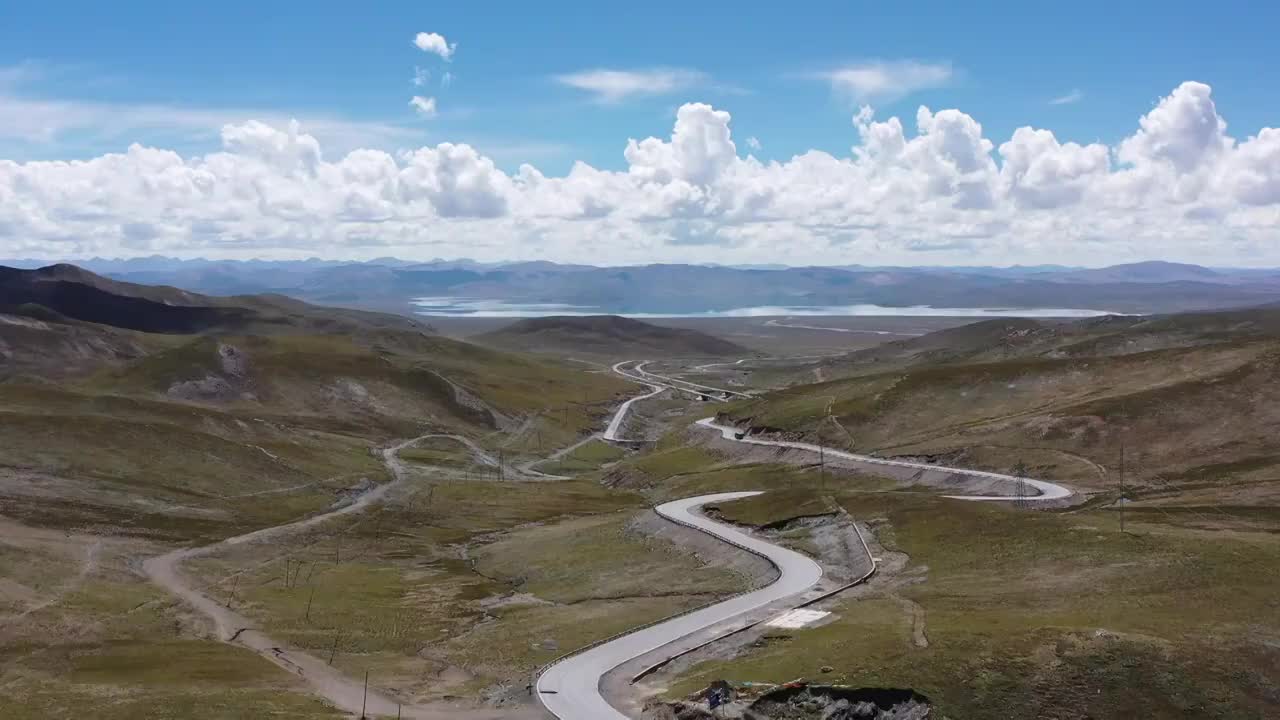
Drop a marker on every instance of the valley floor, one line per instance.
(171, 558)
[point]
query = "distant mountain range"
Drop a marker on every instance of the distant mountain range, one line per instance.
(470, 286)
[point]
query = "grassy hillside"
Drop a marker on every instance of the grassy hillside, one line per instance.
(66, 293)
(56, 348)
(1024, 338)
(607, 335)
(177, 434)
(992, 611)
(1193, 414)
(122, 444)
(995, 613)
(1179, 413)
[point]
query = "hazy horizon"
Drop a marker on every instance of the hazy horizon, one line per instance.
(34, 262)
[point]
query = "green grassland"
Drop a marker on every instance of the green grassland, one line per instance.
(279, 427)
(584, 459)
(1053, 614)
(478, 581)
(389, 375)
(458, 585)
(302, 413)
(1181, 413)
(1040, 614)
(109, 645)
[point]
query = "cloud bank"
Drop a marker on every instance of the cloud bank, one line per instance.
(1178, 187)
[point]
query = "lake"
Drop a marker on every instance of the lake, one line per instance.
(481, 307)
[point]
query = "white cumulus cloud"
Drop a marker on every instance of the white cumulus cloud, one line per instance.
(933, 189)
(1040, 172)
(1184, 130)
(435, 44)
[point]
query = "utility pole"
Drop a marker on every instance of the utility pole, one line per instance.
(310, 597)
(1020, 483)
(364, 701)
(502, 471)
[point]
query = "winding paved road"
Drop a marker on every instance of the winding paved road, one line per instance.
(1048, 490)
(615, 423)
(687, 386)
(570, 689)
(775, 323)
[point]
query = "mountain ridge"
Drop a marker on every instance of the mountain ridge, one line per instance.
(606, 334)
(674, 288)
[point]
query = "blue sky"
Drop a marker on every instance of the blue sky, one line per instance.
(761, 62)
(1075, 133)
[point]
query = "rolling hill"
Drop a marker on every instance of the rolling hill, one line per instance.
(607, 335)
(116, 393)
(1192, 399)
(1024, 338)
(69, 293)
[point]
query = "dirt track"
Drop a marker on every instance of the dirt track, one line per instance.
(344, 692)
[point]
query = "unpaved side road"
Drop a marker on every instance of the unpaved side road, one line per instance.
(524, 471)
(347, 694)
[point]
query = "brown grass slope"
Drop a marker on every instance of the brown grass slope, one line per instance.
(1196, 416)
(609, 335)
(180, 435)
(68, 293)
(1013, 338)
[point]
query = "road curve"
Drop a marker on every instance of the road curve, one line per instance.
(345, 693)
(615, 423)
(687, 386)
(570, 689)
(1047, 490)
(858, 331)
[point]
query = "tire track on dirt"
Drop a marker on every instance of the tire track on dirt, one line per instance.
(345, 693)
